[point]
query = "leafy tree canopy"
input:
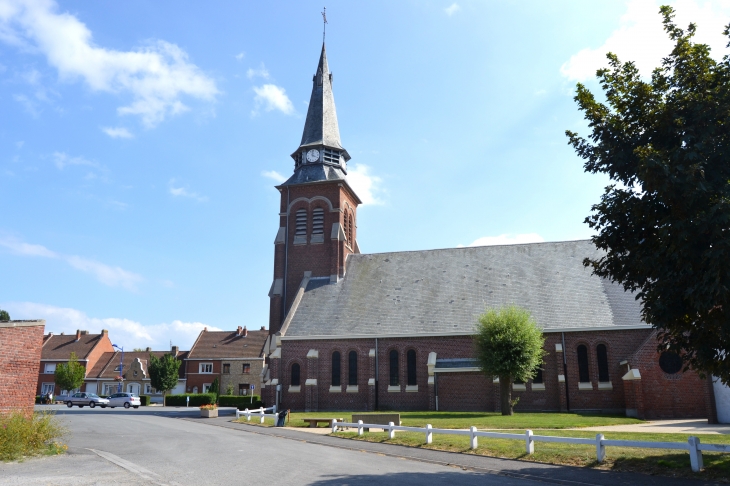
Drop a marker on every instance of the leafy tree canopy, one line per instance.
(4, 316)
(508, 345)
(163, 372)
(665, 221)
(70, 376)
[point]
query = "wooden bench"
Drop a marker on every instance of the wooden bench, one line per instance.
(376, 418)
(313, 422)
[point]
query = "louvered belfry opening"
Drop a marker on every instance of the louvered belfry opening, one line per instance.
(346, 224)
(350, 227)
(318, 221)
(301, 225)
(331, 156)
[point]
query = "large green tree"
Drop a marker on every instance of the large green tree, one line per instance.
(665, 220)
(164, 373)
(70, 375)
(4, 316)
(508, 345)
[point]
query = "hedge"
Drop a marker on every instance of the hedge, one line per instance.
(241, 402)
(196, 399)
(145, 399)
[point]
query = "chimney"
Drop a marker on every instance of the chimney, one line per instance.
(104, 332)
(78, 334)
(175, 350)
(50, 334)
(263, 328)
(205, 328)
(238, 331)
(245, 331)
(84, 333)
(148, 349)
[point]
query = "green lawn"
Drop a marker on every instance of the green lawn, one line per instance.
(483, 420)
(650, 461)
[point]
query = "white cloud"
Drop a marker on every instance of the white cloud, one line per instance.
(273, 175)
(184, 192)
(156, 75)
(641, 38)
(272, 97)
(365, 185)
(123, 332)
(261, 72)
(506, 239)
(62, 160)
(452, 9)
(117, 132)
(108, 275)
(240, 56)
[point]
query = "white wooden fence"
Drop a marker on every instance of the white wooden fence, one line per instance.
(692, 445)
(259, 412)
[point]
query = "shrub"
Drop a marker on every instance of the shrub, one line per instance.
(28, 434)
(145, 399)
(196, 399)
(240, 402)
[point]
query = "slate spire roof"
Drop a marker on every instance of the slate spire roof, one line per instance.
(321, 133)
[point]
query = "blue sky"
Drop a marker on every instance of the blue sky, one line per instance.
(140, 141)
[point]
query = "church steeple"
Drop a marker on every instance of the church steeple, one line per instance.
(320, 156)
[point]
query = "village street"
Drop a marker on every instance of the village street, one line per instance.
(172, 446)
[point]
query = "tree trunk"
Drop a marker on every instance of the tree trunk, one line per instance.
(505, 394)
(164, 398)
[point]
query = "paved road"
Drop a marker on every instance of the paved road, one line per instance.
(168, 446)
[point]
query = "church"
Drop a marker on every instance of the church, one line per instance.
(393, 331)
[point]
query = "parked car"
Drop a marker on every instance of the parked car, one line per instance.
(82, 399)
(125, 400)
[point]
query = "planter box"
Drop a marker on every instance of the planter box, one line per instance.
(209, 413)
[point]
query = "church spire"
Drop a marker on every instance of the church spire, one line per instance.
(320, 155)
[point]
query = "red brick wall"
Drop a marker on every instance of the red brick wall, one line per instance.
(20, 353)
(194, 378)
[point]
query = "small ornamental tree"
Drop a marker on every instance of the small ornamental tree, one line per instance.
(70, 376)
(215, 388)
(164, 373)
(508, 345)
(4, 316)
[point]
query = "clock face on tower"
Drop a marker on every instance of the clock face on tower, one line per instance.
(313, 155)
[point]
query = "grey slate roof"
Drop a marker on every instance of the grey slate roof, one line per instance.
(321, 125)
(443, 291)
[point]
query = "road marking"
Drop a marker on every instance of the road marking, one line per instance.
(145, 474)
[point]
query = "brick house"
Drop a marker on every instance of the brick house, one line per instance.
(134, 370)
(20, 351)
(236, 358)
(89, 349)
(353, 331)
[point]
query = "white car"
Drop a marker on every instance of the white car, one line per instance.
(125, 400)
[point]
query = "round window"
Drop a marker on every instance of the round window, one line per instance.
(670, 362)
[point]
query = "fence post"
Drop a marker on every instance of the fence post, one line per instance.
(429, 434)
(529, 443)
(248, 415)
(391, 431)
(600, 449)
(334, 426)
(695, 455)
(359, 427)
(473, 431)
(262, 417)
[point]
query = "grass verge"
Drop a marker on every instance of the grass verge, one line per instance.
(24, 435)
(648, 461)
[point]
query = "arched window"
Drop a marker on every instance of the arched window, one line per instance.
(346, 225)
(394, 381)
(318, 221)
(583, 374)
(411, 364)
(350, 228)
(352, 368)
(295, 375)
(336, 368)
(301, 226)
(538, 375)
(602, 358)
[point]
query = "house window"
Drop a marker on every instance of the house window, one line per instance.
(226, 368)
(538, 376)
(411, 363)
(110, 388)
(205, 368)
(246, 368)
(206, 387)
(583, 373)
(195, 389)
(336, 368)
(148, 389)
(394, 368)
(352, 368)
(47, 388)
(602, 358)
(301, 224)
(50, 368)
(243, 388)
(318, 221)
(118, 368)
(295, 374)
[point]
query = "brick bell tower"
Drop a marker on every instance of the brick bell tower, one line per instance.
(318, 212)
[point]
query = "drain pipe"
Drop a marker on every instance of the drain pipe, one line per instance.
(376, 375)
(565, 372)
